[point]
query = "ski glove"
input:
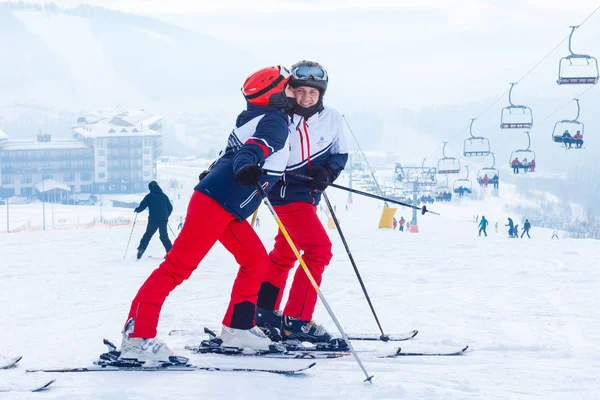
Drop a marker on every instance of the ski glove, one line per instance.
(321, 177)
(249, 175)
(137, 210)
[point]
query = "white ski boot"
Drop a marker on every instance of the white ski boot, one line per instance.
(143, 349)
(253, 338)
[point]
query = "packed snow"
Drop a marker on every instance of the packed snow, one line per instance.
(526, 308)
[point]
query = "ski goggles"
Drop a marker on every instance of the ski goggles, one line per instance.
(305, 72)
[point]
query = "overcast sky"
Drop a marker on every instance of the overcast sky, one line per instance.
(395, 53)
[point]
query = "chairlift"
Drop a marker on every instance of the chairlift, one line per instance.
(426, 178)
(492, 174)
(489, 171)
(522, 155)
(464, 183)
(443, 188)
(448, 165)
(476, 146)
(515, 116)
(577, 69)
(563, 126)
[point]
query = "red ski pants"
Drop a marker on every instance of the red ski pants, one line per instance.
(206, 222)
(306, 230)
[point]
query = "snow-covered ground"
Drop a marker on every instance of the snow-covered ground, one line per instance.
(527, 308)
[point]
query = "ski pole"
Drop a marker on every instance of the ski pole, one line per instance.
(171, 229)
(285, 233)
(254, 218)
(374, 196)
(131, 234)
(383, 336)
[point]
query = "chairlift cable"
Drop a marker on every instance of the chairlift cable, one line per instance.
(523, 77)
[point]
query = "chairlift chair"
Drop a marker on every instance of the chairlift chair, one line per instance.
(523, 154)
(577, 69)
(476, 146)
(448, 165)
(464, 183)
(489, 171)
(443, 188)
(561, 126)
(426, 177)
(515, 116)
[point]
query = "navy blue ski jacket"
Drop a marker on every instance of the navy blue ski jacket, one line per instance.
(260, 137)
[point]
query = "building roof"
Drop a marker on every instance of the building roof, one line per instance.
(108, 130)
(117, 122)
(50, 184)
(32, 144)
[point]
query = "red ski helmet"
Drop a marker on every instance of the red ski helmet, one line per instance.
(262, 84)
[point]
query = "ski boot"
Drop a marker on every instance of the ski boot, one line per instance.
(252, 338)
(269, 321)
(297, 331)
(143, 349)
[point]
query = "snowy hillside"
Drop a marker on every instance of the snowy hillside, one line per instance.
(90, 56)
(525, 307)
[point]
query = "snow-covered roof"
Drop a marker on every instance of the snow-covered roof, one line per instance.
(121, 117)
(3, 136)
(29, 144)
(50, 184)
(104, 129)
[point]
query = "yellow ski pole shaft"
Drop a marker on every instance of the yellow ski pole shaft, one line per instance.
(254, 218)
(285, 233)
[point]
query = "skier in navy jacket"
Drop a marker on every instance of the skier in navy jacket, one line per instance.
(256, 153)
(159, 209)
(317, 149)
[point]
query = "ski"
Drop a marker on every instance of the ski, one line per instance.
(363, 337)
(176, 368)
(28, 388)
(276, 351)
(10, 363)
(400, 353)
(112, 361)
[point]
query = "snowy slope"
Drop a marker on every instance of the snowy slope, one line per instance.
(526, 307)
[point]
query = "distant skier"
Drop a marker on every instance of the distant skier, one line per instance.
(257, 222)
(515, 164)
(554, 234)
(496, 226)
(401, 223)
(578, 138)
(526, 228)
(180, 224)
(516, 231)
(159, 208)
(483, 225)
(511, 227)
(567, 139)
(394, 223)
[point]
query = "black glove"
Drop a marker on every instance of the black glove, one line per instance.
(202, 175)
(249, 175)
(321, 177)
(137, 210)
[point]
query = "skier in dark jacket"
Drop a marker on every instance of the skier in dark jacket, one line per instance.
(482, 225)
(511, 227)
(526, 228)
(159, 207)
